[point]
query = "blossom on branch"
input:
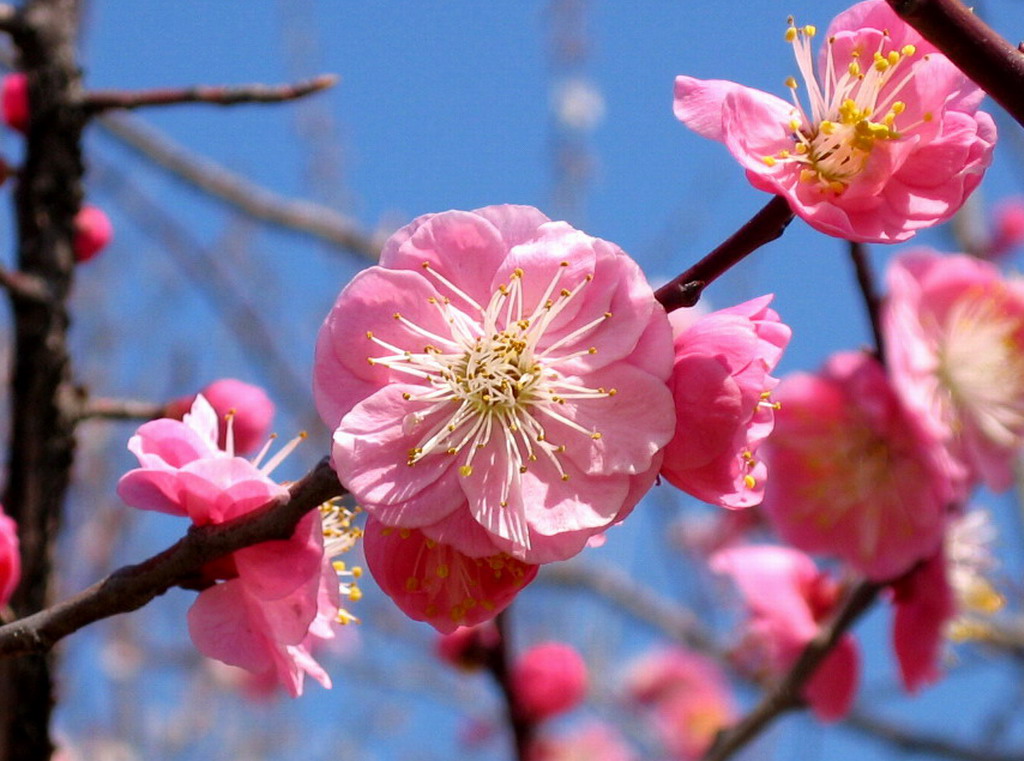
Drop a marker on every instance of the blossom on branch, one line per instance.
(788, 599)
(893, 141)
(954, 328)
(855, 474)
(250, 410)
(498, 383)
(548, 679)
(261, 606)
(721, 386)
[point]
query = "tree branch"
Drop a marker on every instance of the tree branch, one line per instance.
(786, 694)
(872, 301)
(984, 56)
(97, 101)
(911, 741)
(306, 217)
(497, 662)
(764, 227)
(133, 586)
(119, 409)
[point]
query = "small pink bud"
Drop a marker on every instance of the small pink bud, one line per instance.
(253, 412)
(14, 101)
(1009, 227)
(93, 232)
(468, 646)
(549, 679)
(10, 559)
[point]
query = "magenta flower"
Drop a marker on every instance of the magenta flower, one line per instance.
(721, 387)
(548, 679)
(14, 101)
(498, 382)
(855, 473)
(271, 596)
(10, 558)
(436, 583)
(788, 598)
(686, 696)
(892, 143)
(954, 328)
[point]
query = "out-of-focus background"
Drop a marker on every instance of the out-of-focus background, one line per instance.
(562, 104)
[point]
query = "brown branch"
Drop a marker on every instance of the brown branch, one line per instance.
(133, 586)
(25, 287)
(98, 101)
(872, 301)
(786, 694)
(911, 741)
(119, 409)
(306, 217)
(976, 49)
(497, 663)
(764, 227)
(10, 20)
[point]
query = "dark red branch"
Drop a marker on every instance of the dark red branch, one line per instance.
(133, 586)
(764, 227)
(984, 56)
(872, 301)
(497, 662)
(97, 101)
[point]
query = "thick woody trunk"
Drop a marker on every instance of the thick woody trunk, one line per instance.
(42, 444)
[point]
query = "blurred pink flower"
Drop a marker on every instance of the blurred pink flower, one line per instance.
(93, 232)
(893, 141)
(590, 742)
(253, 412)
(10, 558)
(721, 385)
(855, 473)
(788, 597)
(436, 583)
(1008, 224)
(14, 101)
(272, 595)
(548, 679)
(954, 330)
(500, 372)
(468, 646)
(687, 697)
(924, 604)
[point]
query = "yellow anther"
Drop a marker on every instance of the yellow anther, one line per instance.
(397, 316)
(441, 571)
(810, 30)
(749, 481)
(794, 125)
(893, 57)
(808, 175)
(898, 107)
(854, 69)
(612, 391)
(517, 272)
(466, 470)
(827, 127)
(406, 395)
(357, 571)
(800, 149)
(791, 34)
(565, 476)
(791, 83)
(927, 116)
(596, 435)
(412, 584)
(355, 594)
(783, 154)
(908, 50)
(369, 334)
(769, 160)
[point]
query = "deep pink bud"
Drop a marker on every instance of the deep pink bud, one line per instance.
(253, 412)
(93, 232)
(467, 647)
(549, 679)
(10, 559)
(14, 101)
(1008, 223)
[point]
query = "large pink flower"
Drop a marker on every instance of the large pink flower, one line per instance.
(893, 141)
(436, 583)
(855, 474)
(788, 598)
(720, 383)
(954, 329)
(498, 383)
(270, 596)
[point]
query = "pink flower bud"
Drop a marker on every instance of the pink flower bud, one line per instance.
(549, 679)
(253, 411)
(14, 101)
(10, 559)
(467, 647)
(1008, 226)
(93, 232)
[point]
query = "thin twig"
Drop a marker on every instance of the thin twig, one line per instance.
(976, 49)
(133, 586)
(497, 662)
(911, 741)
(119, 409)
(10, 20)
(306, 217)
(786, 694)
(98, 101)
(24, 286)
(872, 301)
(764, 227)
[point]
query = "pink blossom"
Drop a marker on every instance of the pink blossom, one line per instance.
(1009, 227)
(788, 598)
(251, 411)
(721, 385)
(590, 742)
(924, 604)
(272, 596)
(436, 583)
(855, 473)
(954, 328)
(548, 679)
(497, 383)
(93, 232)
(10, 558)
(686, 696)
(14, 101)
(893, 141)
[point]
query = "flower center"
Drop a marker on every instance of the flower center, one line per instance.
(494, 375)
(854, 108)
